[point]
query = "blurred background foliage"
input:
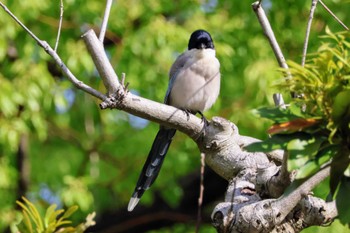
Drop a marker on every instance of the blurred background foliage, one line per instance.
(57, 146)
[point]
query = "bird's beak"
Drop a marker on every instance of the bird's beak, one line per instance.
(202, 46)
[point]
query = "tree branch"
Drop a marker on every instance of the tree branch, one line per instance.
(104, 67)
(105, 20)
(308, 28)
(334, 16)
(287, 202)
(201, 191)
(245, 211)
(59, 26)
(265, 24)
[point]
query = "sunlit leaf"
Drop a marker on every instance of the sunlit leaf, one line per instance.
(70, 211)
(292, 126)
(339, 164)
(27, 222)
(35, 215)
(343, 201)
(280, 115)
(273, 143)
(314, 165)
(341, 106)
(50, 214)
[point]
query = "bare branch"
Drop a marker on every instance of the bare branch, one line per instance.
(59, 26)
(317, 211)
(157, 112)
(308, 28)
(245, 211)
(278, 100)
(105, 20)
(104, 67)
(265, 24)
(201, 191)
(334, 16)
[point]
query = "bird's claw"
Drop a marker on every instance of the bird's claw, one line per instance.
(204, 120)
(187, 112)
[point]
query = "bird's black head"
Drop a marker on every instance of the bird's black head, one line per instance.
(200, 39)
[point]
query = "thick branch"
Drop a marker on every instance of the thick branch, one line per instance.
(288, 202)
(245, 211)
(104, 67)
(160, 113)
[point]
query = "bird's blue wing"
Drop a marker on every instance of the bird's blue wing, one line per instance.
(179, 63)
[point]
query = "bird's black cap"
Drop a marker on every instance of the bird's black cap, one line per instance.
(200, 39)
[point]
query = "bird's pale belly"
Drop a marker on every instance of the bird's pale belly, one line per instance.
(195, 93)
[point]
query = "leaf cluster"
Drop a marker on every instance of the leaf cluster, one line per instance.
(315, 128)
(53, 221)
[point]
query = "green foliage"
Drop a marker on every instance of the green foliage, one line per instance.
(315, 129)
(53, 220)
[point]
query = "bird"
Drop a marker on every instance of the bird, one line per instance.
(194, 86)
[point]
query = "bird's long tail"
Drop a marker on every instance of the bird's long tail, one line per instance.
(152, 165)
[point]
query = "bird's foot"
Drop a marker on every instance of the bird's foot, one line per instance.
(204, 120)
(187, 112)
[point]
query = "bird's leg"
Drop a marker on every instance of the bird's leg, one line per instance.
(206, 122)
(187, 112)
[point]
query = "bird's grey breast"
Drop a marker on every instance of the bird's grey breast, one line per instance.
(195, 80)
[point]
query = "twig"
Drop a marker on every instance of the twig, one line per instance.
(278, 100)
(59, 26)
(265, 24)
(105, 20)
(201, 191)
(308, 28)
(334, 16)
(79, 84)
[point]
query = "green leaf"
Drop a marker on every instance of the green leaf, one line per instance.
(298, 144)
(70, 211)
(27, 222)
(343, 201)
(27, 214)
(339, 164)
(35, 215)
(277, 141)
(341, 106)
(280, 115)
(63, 222)
(304, 145)
(50, 215)
(314, 165)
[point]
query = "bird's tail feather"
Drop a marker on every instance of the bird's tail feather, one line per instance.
(152, 165)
